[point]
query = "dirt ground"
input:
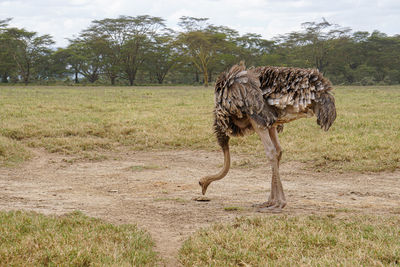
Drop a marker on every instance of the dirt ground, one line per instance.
(156, 189)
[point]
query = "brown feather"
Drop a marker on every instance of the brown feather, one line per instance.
(272, 95)
(267, 97)
(238, 94)
(295, 90)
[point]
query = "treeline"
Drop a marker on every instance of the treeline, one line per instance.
(142, 50)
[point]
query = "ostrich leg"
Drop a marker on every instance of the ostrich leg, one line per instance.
(273, 151)
(273, 133)
(276, 185)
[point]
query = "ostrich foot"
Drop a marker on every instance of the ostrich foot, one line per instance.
(271, 204)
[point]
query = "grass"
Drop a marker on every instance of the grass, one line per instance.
(31, 239)
(144, 167)
(84, 120)
(297, 241)
(12, 151)
(233, 208)
(87, 122)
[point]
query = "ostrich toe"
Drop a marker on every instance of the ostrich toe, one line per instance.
(272, 204)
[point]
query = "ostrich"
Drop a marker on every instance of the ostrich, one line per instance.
(262, 99)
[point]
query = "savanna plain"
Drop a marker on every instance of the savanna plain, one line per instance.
(109, 176)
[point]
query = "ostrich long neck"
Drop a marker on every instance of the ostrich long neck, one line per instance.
(205, 181)
(225, 168)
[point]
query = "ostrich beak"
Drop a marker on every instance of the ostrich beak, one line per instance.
(204, 186)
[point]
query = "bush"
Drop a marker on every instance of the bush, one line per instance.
(367, 81)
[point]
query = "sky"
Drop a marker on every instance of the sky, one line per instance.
(66, 18)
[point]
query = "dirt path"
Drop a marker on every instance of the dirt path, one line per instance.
(155, 191)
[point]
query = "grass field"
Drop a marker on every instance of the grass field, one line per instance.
(76, 240)
(86, 121)
(31, 239)
(297, 241)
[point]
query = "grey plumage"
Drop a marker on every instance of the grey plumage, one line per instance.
(237, 96)
(271, 96)
(296, 90)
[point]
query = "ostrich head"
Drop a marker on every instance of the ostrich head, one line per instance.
(204, 183)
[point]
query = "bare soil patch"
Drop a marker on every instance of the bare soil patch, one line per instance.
(157, 191)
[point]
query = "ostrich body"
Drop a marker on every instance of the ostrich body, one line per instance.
(261, 100)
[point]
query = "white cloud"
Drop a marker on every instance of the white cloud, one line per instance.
(64, 19)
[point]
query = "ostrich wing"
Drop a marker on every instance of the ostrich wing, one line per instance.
(300, 90)
(237, 95)
(282, 86)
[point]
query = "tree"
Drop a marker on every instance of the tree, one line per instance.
(86, 57)
(313, 44)
(383, 54)
(142, 49)
(114, 35)
(161, 56)
(72, 58)
(7, 65)
(251, 48)
(204, 45)
(62, 65)
(116, 47)
(141, 30)
(27, 50)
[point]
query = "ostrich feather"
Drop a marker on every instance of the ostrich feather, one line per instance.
(296, 90)
(270, 95)
(237, 95)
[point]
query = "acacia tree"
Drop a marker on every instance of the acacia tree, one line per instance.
(7, 64)
(226, 53)
(27, 50)
(203, 44)
(62, 64)
(161, 56)
(140, 30)
(252, 48)
(383, 52)
(87, 54)
(311, 47)
(72, 59)
(114, 35)
(119, 45)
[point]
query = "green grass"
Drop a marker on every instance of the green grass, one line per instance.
(31, 239)
(85, 120)
(233, 208)
(364, 137)
(297, 241)
(144, 167)
(12, 152)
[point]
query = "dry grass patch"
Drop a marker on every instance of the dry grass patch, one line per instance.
(294, 241)
(12, 152)
(144, 167)
(31, 239)
(77, 120)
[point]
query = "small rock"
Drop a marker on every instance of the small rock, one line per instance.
(113, 191)
(202, 199)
